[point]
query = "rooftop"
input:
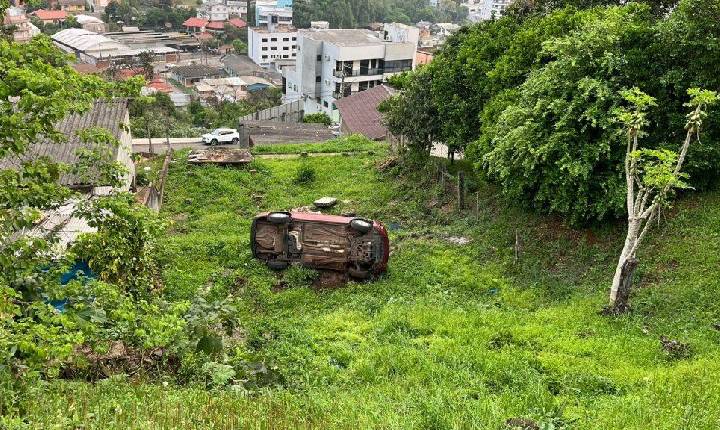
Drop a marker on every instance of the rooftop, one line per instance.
(359, 112)
(107, 114)
(195, 22)
(240, 64)
(82, 40)
(44, 14)
(197, 70)
(276, 29)
(344, 37)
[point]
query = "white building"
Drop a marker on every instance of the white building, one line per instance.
(213, 10)
(236, 7)
(272, 42)
(274, 14)
(483, 10)
(332, 64)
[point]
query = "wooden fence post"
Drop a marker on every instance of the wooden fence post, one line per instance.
(461, 190)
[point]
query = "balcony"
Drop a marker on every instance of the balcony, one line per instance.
(358, 72)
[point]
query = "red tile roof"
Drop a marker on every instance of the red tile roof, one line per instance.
(47, 15)
(359, 112)
(237, 22)
(216, 25)
(195, 22)
(160, 85)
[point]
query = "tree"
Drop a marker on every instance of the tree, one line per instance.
(239, 46)
(650, 178)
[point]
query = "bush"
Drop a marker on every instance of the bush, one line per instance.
(305, 175)
(317, 118)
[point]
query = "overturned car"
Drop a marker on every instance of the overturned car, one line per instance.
(356, 246)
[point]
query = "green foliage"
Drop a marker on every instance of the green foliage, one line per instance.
(239, 47)
(304, 175)
(532, 97)
(360, 13)
(349, 144)
(317, 118)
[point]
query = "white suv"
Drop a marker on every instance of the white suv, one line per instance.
(221, 135)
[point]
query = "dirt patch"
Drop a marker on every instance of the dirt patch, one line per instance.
(521, 424)
(330, 279)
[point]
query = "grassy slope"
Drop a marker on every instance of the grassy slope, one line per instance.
(452, 337)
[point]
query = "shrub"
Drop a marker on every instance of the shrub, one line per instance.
(305, 175)
(317, 118)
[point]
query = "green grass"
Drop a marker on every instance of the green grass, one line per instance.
(346, 144)
(453, 336)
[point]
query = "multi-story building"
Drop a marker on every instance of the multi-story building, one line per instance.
(483, 10)
(264, 14)
(23, 30)
(332, 64)
(236, 7)
(213, 10)
(272, 42)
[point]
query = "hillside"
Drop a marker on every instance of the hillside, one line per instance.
(453, 336)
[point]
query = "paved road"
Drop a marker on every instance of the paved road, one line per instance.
(160, 144)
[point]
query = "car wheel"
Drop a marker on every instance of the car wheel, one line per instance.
(279, 218)
(361, 225)
(277, 265)
(213, 142)
(235, 141)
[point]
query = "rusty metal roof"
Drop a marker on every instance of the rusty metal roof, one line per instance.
(359, 112)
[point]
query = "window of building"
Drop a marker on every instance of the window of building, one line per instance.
(294, 47)
(318, 78)
(294, 39)
(286, 48)
(319, 57)
(286, 39)
(325, 103)
(273, 48)
(264, 39)
(363, 86)
(273, 39)
(293, 54)
(264, 48)
(264, 57)
(285, 56)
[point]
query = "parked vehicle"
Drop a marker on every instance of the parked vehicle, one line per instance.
(356, 246)
(221, 135)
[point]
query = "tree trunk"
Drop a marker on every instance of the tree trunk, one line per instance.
(622, 297)
(625, 255)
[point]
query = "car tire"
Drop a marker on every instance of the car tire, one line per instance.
(277, 265)
(235, 141)
(361, 225)
(279, 218)
(213, 142)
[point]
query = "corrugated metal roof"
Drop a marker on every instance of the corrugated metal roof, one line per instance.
(85, 40)
(359, 112)
(107, 114)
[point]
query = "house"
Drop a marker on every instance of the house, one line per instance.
(195, 25)
(423, 56)
(23, 29)
(359, 113)
(337, 63)
(278, 15)
(271, 42)
(112, 115)
(98, 5)
(62, 221)
(188, 75)
(91, 23)
(72, 6)
(50, 16)
(239, 65)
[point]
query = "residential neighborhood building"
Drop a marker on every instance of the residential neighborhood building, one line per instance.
(239, 65)
(213, 10)
(230, 88)
(93, 48)
(272, 42)
(23, 30)
(72, 6)
(91, 23)
(188, 75)
(359, 113)
(332, 64)
(278, 15)
(98, 5)
(50, 16)
(63, 221)
(237, 7)
(194, 25)
(112, 115)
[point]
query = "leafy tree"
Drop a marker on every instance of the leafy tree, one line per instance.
(239, 47)
(651, 176)
(317, 118)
